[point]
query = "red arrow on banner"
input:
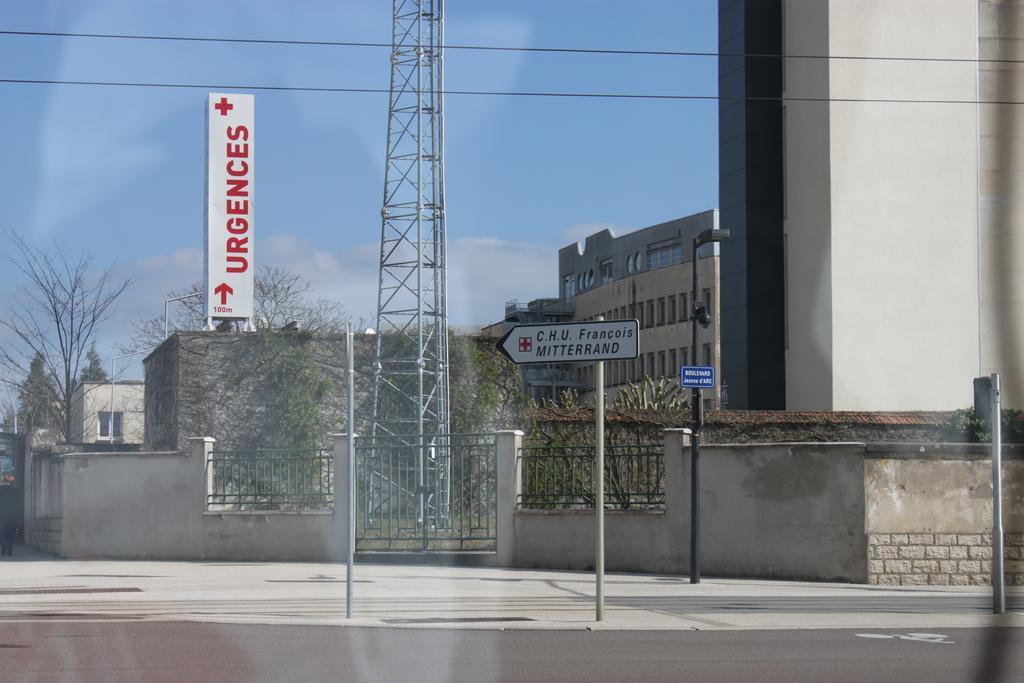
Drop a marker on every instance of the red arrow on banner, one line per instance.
(223, 289)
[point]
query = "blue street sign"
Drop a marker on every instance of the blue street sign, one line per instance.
(697, 377)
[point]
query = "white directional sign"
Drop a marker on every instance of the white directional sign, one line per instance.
(572, 342)
(229, 206)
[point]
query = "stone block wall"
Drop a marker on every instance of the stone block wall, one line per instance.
(929, 514)
(941, 559)
(218, 384)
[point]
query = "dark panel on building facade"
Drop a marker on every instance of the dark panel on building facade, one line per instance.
(750, 203)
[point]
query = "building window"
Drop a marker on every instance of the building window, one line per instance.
(650, 364)
(661, 310)
(661, 363)
(707, 300)
(672, 367)
(659, 257)
(671, 309)
(707, 354)
(684, 357)
(606, 271)
(684, 309)
(104, 424)
(650, 313)
(570, 286)
(590, 278)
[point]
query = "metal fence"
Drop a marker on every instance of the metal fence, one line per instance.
(562, 477)
(290, 480)
(426, 493)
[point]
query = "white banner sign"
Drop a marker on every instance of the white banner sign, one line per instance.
(229, 207)
(572, 342)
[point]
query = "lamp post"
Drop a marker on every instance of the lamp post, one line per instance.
(351, 474)
(700, 314)
(110, 421)
(177, 298)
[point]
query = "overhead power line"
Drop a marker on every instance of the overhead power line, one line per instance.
(509, 48)
(501, 93)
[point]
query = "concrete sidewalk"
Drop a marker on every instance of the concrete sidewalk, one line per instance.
(35, 587)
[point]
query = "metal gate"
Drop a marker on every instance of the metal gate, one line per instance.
(429, 493)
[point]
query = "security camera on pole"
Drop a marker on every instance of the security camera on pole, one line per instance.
(697, 377)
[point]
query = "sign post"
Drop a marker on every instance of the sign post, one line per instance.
(228, 274)
(998, 597)
(696, 377)
(599, 494)
(583, 342)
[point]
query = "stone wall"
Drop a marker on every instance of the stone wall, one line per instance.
(153, 506)
(941, 559)
(784, 511)
(929, 514)
(216, 384)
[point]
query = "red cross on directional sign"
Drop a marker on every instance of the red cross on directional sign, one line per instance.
(223, 106)
(572, 342)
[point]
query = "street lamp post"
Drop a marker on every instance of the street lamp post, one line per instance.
(177, 298)
(700, 314)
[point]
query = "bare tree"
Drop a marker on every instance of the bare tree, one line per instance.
(55, 315)
(279, 297)
(282, 296)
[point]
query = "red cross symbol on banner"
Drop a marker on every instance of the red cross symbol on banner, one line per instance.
(223, 106)
(525, 344)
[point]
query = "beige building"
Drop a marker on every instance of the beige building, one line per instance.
(647, 275)
(875, 204)
(91, 414)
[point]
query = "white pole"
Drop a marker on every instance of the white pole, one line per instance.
(350, 479)
(599, 496)
(110, 413)
(998, 597)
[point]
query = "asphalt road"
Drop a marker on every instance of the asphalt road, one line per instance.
(47, 650)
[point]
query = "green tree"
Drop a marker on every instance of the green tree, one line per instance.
(297, 388)
(93, 371)
(38, 403)
(484, 386)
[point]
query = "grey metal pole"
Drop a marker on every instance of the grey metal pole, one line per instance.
(599, 494)
(351, 478)
(110, 413)
(998, 596)
(697, 409)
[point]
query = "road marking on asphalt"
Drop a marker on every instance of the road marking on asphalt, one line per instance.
(919, 637)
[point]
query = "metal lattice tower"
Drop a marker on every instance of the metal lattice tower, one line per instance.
(411, 367)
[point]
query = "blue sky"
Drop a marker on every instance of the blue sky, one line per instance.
(119, 171)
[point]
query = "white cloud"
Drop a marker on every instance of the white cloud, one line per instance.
(484, 273)
(581, 231)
